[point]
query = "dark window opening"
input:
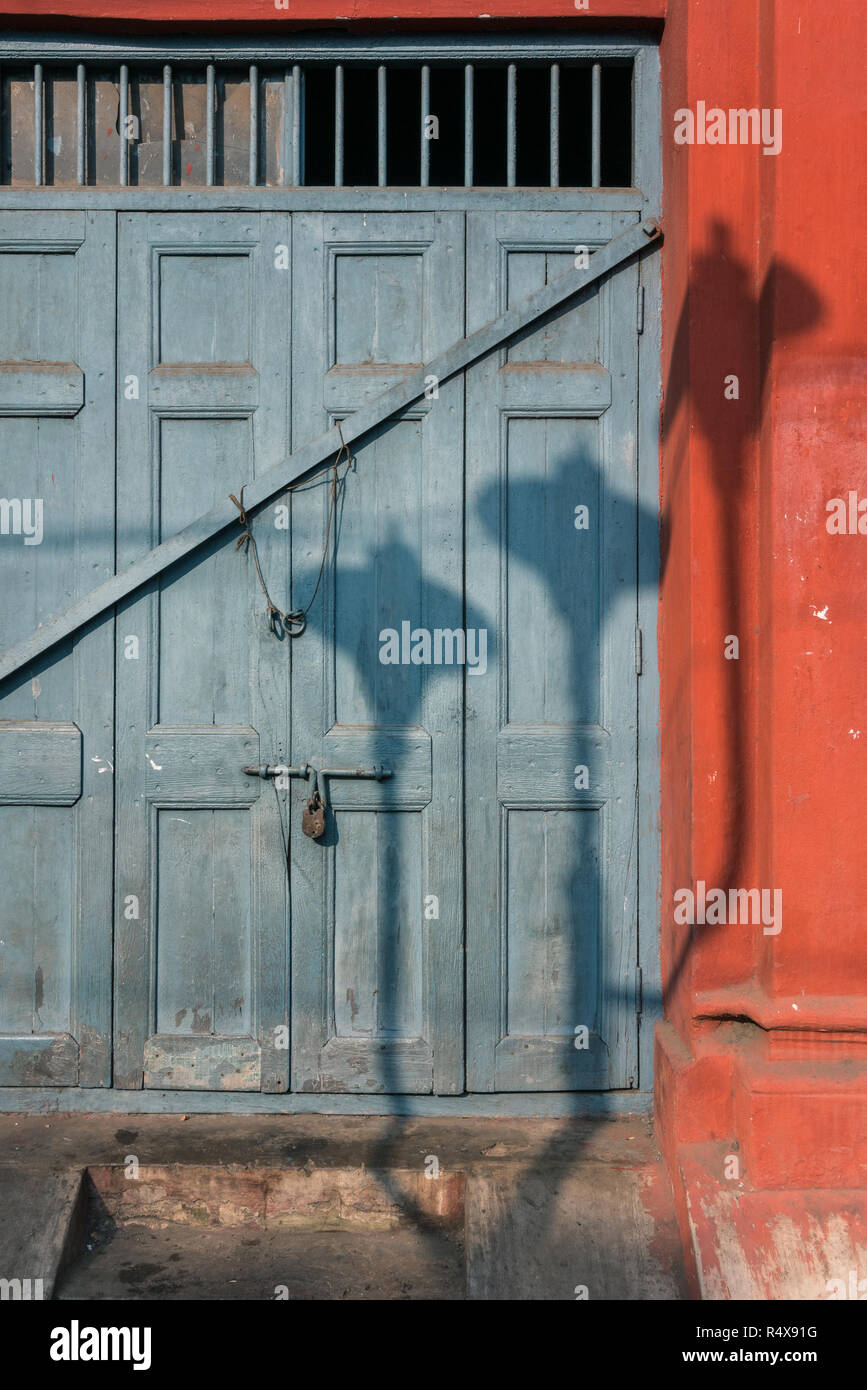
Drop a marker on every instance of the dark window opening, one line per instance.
(491, 125)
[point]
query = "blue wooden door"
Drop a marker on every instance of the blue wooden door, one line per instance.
(57, 273)
(202, 686)
(551, 757)
(377, 907)
(240, 337)
(474, 632)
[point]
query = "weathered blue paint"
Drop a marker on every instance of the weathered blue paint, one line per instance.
(241, 364)
(47, 1100)
(339, 199)
(201, 973)
(56, 736)
(378, 991)
(40, 763)
(648, 159)
(324, 48)
(406, 389)
(551, 731)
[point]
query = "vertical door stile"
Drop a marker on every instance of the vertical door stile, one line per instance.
(310, 949)
(134, 681)
(271, 667)
(94, 655)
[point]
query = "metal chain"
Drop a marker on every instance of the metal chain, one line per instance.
(295, 621)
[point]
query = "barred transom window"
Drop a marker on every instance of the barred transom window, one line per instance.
(460, 115)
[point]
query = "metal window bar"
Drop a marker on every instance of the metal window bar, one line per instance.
(38, 135)
(81, 125)
(123, 113)
(554, 118)
(469, 129)
(382, 125)
(295, 100)
(297, 126)
(424, 176)
(254, 126)
(596, 126)
(339, 102)
(511, 126)
(210, 109)
(167, 125)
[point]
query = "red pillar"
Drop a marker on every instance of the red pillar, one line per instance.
(765, 1043)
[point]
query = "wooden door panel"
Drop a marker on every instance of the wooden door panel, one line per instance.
(552, 734)
(202, 976)
(56, 718)
(377, 986)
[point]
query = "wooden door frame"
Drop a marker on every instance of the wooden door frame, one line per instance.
(643, 51)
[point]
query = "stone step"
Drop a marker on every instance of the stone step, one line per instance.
(41, 1230)
(483, 1210)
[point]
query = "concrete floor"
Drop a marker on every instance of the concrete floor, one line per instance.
(328, 1207)
(182, 1262)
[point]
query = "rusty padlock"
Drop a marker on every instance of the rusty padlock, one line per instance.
(313, 815)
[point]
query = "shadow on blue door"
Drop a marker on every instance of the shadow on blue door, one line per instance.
(718, 277)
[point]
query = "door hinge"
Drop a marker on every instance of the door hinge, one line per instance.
(639, 309)
(639, 652)
(639, 991)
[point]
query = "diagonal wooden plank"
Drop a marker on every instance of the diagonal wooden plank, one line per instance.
(304, 460)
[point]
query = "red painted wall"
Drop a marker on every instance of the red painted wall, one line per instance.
(303, 13)
(765, 758)
(764, 762)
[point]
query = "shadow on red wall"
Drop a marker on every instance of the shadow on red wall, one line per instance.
(722, 379)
